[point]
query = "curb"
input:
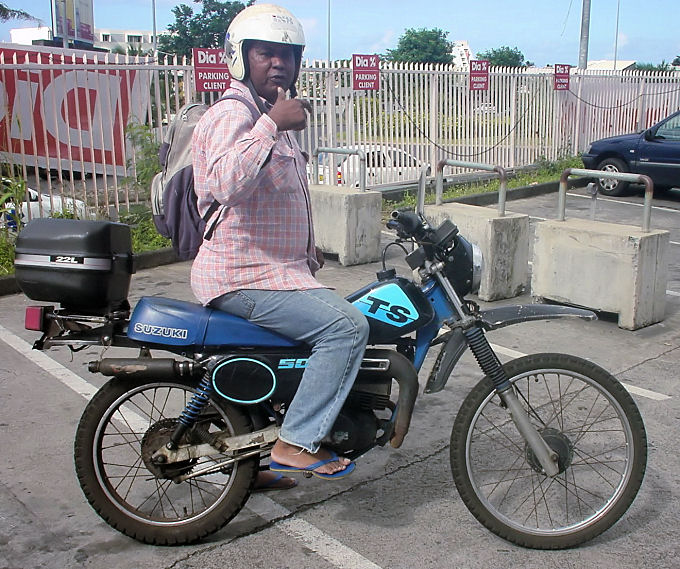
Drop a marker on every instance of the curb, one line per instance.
(150, 259)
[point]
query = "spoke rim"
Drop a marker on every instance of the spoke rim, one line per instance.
(128, 484)
(524, 499)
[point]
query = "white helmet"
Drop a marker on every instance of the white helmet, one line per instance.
(263, 22)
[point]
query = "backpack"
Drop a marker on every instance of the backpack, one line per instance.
(173, 200)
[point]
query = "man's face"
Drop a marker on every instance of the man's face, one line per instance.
(272, 65)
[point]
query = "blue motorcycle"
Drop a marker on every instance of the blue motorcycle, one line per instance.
(547, 451)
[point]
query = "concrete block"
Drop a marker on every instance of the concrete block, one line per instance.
(603, 266)
(504, 242)
(347, 222)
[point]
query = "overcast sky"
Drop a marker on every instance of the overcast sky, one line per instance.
(545, 31)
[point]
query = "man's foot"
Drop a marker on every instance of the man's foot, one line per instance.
(267, 480)
(297, 459)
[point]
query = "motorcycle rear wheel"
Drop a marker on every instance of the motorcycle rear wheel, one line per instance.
(121, 427)
(587, 417)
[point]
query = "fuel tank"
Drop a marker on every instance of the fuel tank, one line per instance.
(394, 306)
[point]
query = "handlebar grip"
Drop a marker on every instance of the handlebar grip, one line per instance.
(410, 221)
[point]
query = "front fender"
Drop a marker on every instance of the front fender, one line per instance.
(503, 316)
(455, 343)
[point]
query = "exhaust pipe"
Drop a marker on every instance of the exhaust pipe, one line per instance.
(403, 372)
(143, 368)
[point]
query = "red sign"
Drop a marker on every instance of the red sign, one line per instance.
(68, 113)
(210, 69)
(479, 75)
(365, 72)
(562, 77)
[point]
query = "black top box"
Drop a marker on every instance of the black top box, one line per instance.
(86, 266)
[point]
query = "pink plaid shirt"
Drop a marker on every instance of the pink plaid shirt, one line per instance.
(264, 238)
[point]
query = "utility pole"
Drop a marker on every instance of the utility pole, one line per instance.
(329, 32)
(155, 41)
(585, 31)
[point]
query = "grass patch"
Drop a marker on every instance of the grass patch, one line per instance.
(543, 172)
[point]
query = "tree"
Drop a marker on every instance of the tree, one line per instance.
(424, 46)
(663, 66)
(503, 56)
(7, 13)
(676, 61)
(204, 29)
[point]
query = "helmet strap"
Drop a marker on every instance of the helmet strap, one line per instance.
(258, 100)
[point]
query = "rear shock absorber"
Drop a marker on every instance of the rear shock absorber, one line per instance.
(191, 412)
(487, 359)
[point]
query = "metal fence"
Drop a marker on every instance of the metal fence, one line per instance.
(83, 126)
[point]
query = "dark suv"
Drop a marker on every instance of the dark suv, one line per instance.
(654, 152)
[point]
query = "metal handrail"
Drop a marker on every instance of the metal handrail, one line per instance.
(347, 151)
(502, 190)
(624, 177)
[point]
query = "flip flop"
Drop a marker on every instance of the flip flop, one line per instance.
(278, 482)
(311, 469)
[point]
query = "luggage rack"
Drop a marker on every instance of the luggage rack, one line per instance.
(63, 327)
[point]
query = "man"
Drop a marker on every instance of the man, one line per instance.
(261, 259)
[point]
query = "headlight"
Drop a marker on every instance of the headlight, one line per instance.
(464, 266)
(477, 267)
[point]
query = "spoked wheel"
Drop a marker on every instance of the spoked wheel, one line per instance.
(121, 428)
(586, 417)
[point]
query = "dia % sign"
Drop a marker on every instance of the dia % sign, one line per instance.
(365, 72)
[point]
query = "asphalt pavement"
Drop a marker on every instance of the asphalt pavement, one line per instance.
(399, 509)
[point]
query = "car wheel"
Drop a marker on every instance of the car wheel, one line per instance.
(612, 187)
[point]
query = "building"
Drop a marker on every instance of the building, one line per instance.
(461, 55)
(25, 36)
(138, 40)
(610, 65)
(106, 39)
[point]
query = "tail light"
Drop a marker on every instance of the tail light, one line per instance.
(35, 318)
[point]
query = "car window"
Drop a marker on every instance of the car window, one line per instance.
(670, 129)
(375, 159)
(401, 158)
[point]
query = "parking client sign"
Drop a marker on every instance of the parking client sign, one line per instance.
(210, 69)
(561, 77)
(365, 72)
(479, 75)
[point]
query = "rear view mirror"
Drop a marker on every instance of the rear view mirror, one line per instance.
(649, 134)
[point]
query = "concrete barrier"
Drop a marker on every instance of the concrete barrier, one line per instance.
(603, 266)
(347, 223)
(503, 240)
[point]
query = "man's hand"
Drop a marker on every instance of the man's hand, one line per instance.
(289, 114)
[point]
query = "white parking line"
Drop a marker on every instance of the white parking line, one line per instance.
(630, 388)
(608, 199)
(324, 545)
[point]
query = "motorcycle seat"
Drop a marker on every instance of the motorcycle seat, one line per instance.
(173, 322)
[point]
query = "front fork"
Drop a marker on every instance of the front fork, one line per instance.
(492, 367)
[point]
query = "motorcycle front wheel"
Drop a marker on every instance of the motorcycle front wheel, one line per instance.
(122, 426)
(586, 416)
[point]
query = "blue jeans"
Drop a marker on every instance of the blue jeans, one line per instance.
(337, 333)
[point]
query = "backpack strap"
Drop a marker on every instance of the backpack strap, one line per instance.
(256, 114)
